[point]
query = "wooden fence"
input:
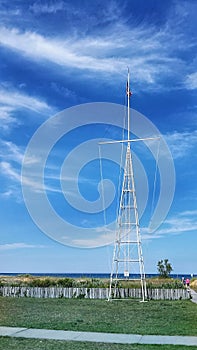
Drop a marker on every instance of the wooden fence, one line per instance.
(92, 293)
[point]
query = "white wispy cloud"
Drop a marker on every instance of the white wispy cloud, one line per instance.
(7, 120)
(150, 53)
(13, 246)
(10, 151)
(64, 91)
(189, 213)
(55, 50)
(10, 167)
(181, 223)
(14, 99)
(102, 238)
(191, 81)
(7, 169)
(41, 8)
(109, 13)
(7, 193)
(181, 143)
(13, 173)
(13, 192)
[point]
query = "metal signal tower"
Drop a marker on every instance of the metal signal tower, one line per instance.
(127, 247)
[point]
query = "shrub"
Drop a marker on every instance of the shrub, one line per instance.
(46, 282)
(65, 282)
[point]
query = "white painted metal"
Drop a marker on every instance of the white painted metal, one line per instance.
(126, 141)
(127, 247)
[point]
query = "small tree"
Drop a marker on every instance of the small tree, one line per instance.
(164, 268)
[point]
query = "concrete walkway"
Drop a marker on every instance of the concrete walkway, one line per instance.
(97, 337)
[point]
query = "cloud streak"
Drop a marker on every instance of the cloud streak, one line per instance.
(150, 53)
(12, 99)
(181, 144)
(12, 173)
(7, 120)
(8, 170)
(183, 222)
(14, 246)
(191, 81)
(10, 151)
(40, 8)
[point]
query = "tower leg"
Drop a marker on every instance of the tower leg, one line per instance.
(127, 248)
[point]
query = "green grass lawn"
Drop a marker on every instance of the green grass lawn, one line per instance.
(154, 317)
(32, 344)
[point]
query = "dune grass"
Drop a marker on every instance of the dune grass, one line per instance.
(193, 284)
(49, 281)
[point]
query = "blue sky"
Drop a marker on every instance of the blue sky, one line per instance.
(60, 54)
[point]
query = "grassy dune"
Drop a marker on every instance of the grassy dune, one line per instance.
(45, 281)
(193, 284)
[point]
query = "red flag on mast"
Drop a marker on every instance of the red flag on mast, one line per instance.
(128, 90)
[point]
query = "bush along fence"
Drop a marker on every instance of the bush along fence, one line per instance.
(92, 293)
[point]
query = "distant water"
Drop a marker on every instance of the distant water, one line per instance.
(92, 275)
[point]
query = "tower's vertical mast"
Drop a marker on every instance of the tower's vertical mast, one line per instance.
(128, 104)
(127, 249)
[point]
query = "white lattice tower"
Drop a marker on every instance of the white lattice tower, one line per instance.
(128, 247)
